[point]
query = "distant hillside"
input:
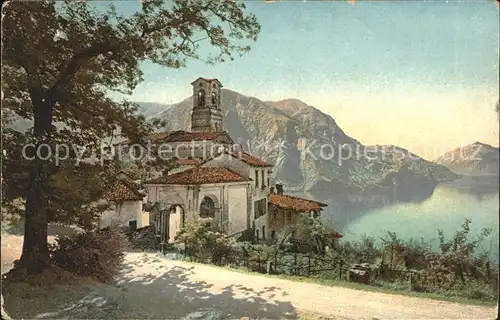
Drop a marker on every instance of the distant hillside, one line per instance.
(305, 145)
(474, 159)
(151, 109)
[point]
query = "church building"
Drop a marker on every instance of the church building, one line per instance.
(215, 179)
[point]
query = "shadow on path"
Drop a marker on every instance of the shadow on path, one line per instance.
(146, 289)
(178, 296)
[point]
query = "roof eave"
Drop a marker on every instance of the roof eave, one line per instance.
(209, 80)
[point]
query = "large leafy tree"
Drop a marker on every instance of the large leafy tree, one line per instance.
(61, 60)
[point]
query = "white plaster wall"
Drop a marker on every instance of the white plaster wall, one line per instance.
(121, 213)
(237, 209)
(143, 220)
(230, 162)
(257, 191)
(262, 221)
(231, 198)
(167, 194)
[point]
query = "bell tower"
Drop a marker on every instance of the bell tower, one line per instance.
(206, 115)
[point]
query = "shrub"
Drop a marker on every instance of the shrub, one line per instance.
(145, 239)
(95, 254)
(364, 250)
(308, 234)
(204, 243)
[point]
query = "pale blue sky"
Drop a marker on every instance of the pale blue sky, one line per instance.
(425, 69)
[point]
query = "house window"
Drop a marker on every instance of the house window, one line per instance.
(256, 178)
(268, 182)
(259, 208)
(132, 225)
(257, 235)
(273, 235)
(263, 232)
(262, 172)
(289, 216)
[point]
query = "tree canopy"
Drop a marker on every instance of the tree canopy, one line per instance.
(60, 62)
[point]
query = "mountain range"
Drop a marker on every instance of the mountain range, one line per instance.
(474, 159)
(310, 152)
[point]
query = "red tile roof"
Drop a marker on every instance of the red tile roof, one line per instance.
(131, 175)
(160, 135)
(295, 203)
(250, 160)
(189, 162)
(337, 235)
(200, 175)
(122, 191)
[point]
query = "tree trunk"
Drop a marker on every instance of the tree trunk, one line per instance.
(35, 254)
(5, 316)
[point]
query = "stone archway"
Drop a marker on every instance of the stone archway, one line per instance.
(175, 221)
(169, 221)
(169, 216)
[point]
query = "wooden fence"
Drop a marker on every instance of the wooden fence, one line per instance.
(314, 265)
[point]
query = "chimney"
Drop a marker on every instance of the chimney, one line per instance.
(271, 190)
(279, 188)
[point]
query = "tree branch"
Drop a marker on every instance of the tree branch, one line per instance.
(77, 61)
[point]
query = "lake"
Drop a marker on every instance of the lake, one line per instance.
(418, 215)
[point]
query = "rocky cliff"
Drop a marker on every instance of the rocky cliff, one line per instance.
(309, 150)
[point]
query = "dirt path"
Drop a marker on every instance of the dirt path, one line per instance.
(217, 283)
(153, 287)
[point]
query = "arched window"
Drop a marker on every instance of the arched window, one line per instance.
(214, 99)
(207, 208)
(201, 98)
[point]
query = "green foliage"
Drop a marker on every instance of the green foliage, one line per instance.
(71, 191)
(433, 272)
(204, 243)
(308, 232)
(363, 250)
(95, 254)
(145, 239)
(61, 79)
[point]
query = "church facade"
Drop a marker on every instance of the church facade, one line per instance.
(215, 179)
